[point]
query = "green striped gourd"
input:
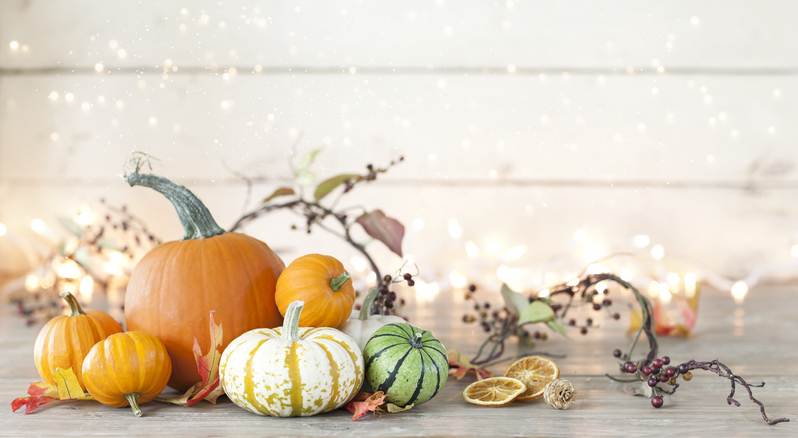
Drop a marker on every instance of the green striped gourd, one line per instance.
(291, 371)
(408, 364)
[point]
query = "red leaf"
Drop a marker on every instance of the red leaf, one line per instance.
(383, 228)
(459, 367)
(39, 394)
(364, 403)
(208, 387)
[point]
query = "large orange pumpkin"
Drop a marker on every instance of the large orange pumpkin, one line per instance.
(66, 339)
(176, 285)
(322, 283)
(129, 368)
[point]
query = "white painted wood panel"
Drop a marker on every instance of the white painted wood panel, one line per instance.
(585, 33)
(624, 130)
(728, 232)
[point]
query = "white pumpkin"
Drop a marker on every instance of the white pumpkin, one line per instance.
(291, 371)
(360, 325)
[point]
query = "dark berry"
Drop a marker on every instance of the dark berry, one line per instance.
(616, 353)
(616, 316)
(657, 363)
(387, 278)
(472, 287)
(572, 322)
(646, 370)
(655, 370)
(670, 371)
(652, 381)
(663, 377)
(683, 369)
(596, 306)
(657, 401)
(589, 322)
(666, 360)
(629, 367)
(407, 276)
(411, 283)
(583, 330)
(607, 302)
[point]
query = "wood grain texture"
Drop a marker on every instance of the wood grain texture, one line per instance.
(756, 344)
(605, 33)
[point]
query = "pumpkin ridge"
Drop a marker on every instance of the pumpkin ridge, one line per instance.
(257, 297)
(379, 353)
(382, 335)
(334, 375)
(386, 385)
(439, 351)
(393, 324)
(249, 385)
(292, 363)
(437, 372)
(420, 383)
(353, 358)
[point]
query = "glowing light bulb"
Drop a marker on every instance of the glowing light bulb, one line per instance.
(658, 252)
(3, 229)
(472, 249)
(455, 229)
(641, 240)
(31, 282)
(38, 226)
(86, 288)
(738, 291)
(457, 280)
(794, 251)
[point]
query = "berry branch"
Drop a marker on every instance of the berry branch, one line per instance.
(315, 212)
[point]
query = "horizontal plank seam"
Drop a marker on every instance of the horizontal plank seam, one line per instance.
(403, 70)
(740, 185)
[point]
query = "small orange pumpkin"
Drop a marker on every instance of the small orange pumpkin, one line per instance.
(128, 368)
(66, 339)
(322, 283)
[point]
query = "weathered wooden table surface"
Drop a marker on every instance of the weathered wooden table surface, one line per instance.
(758, 340)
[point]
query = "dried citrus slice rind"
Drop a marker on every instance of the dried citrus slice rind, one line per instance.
(536, 372)
(493, 391)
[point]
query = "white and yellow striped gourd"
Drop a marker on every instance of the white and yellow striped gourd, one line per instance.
(292, 371)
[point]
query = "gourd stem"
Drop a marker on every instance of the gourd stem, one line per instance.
(197, 220)
(291, 321)
(133, 401)
(74, 305)
(368, 302)
(338, 282)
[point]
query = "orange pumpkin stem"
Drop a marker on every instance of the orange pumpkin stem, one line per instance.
(74, 305)
(198, 223)
(133, 401)
(338, 282)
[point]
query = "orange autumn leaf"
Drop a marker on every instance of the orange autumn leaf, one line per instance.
(364, 403)
(208, 387)
(460, 366)
(41, 394)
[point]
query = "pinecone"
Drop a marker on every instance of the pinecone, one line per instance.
(559, 394)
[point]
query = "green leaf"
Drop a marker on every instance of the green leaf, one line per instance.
(536, 311)
(513, 300)
(328, 185)
(280, 191)
(556, 327)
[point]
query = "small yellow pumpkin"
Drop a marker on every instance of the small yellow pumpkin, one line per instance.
(291, 371)
(322, 283)
(129, 368)
(66, 339)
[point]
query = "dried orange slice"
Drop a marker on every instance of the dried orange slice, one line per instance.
(493, 391)
(536, 372)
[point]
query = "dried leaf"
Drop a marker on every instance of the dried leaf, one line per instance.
(328, 185)
(385, 229)
(41, 394)
(513, 300)
(208, 387)
(364, 403)
(536, 311)
(394, 409)
(280, 191)
(460, 366)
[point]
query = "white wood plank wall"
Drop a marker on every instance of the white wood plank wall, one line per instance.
(522, 120)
